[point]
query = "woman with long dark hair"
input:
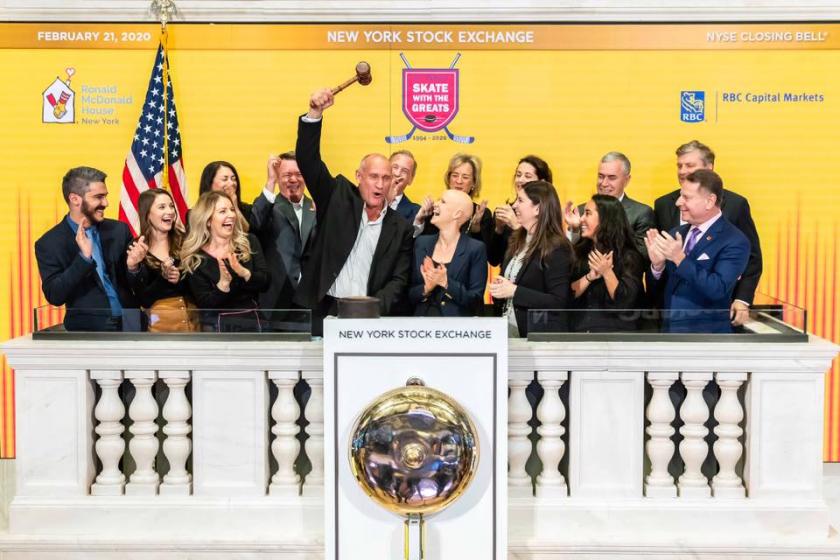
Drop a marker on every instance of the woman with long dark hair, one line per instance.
(537, 264)
(609, 269)
(152, 261)
(222, 176)
(529, 168)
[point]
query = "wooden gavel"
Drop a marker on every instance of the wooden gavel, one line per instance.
(362, 76)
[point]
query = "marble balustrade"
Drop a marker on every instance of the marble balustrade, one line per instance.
(163, 438)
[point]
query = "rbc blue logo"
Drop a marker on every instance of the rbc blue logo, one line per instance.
(693, 106)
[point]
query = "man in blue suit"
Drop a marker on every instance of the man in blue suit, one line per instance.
(403, 169)
(698, 264)
(82, 260)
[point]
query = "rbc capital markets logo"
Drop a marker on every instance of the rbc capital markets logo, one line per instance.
(430, 101)
(693, 106)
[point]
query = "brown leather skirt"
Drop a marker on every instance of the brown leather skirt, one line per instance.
(173, 314)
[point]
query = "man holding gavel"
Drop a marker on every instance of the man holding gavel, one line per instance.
(361, 248)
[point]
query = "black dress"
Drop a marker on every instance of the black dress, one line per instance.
(603, 315)
(241, 299)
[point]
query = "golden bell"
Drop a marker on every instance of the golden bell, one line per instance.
(414, 450)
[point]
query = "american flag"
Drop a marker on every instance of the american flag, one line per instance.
(145, 161)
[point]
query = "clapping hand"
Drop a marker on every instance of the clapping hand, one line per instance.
(502, 288)
(505, 216)
(600, 263)
(170, 272)
(224, 277)
(83, 241)
(426, 209)
(657, 259)
(572, 216)
(670, 247)
(136, 253)
(475, 221)
(433, 275)
(237, 267)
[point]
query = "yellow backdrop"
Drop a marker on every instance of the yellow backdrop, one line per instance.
(566, 93)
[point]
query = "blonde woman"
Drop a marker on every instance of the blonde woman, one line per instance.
(223, 265)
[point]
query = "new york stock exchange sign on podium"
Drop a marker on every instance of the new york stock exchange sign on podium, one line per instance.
(415, 433)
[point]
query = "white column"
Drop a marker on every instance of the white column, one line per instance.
(550, 447)
(519, 446)
(660, 449)
(314, 484)
(727, 448)
(285, 447)
(177, 445)
(110, 446)
(143, 412)
(693, 448)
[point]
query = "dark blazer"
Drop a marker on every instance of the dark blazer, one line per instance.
(242, 295)
(407, 209)
(466, 279)
(697, 294)
(339, 214)
(70, 280)
(641, 219)
(284, 243)
(148, 284)
(736, 209)
(543, 284)
(596, 310)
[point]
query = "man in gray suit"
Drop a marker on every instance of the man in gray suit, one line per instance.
(613, 176)
(284, 225)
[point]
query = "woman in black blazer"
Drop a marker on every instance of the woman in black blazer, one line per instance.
(224, 265)
(450, 268)
(537, 265)
(608, 269)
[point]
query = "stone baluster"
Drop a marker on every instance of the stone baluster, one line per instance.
(693, 448)
(550, 447)
(143, 446)
(177, 446)
(314, 445)
(285, 447)
(660, 449)
(729, 413)
(519, 446)
(110, 446)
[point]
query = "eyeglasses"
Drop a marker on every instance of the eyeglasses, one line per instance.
(461, 176)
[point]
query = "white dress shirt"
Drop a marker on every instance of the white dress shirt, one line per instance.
(353, 278)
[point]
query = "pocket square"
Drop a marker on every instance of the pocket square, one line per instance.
(703, 257)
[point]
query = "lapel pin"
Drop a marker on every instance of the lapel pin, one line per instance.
(708, 238)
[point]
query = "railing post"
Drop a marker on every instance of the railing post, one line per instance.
(285, 447)
(550, 447)
(519, 446)
(177, 445)
(143, 412)
(314, 446)
(660, 449)
(110, 446)
(728, 449)
(693, 448)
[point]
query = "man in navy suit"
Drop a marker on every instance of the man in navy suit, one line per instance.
(285, 225)
(82, 259)
(404, 169)
(695, 155)
(699, 262)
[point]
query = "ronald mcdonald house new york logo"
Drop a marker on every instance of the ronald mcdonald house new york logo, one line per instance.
(59, 100)
(430, 101)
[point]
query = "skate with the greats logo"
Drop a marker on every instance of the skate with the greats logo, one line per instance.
(430, 100)
(59, 101)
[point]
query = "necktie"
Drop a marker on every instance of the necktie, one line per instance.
(692, 240)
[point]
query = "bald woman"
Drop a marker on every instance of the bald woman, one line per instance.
(450, 269)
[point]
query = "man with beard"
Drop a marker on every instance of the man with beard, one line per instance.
(82, 259)
(285, 225)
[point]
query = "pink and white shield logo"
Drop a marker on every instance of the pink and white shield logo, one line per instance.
(430, 97)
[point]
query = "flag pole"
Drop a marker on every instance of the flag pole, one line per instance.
(164, 9)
